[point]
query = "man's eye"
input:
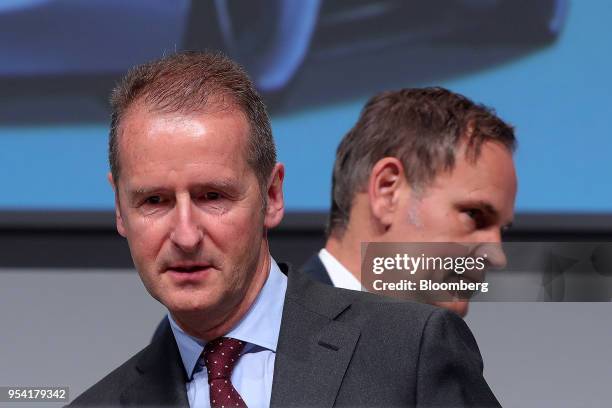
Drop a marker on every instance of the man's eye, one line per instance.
(153, 200)
(212, 196)
(473, 213)
(478, 217)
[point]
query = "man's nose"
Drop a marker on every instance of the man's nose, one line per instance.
(186, 233)
(493, 252)
(490, 247)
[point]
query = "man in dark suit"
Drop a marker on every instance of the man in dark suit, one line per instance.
(197, 185)
(420, 165)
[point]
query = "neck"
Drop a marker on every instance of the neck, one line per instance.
(347, 250)
(195, 325)
(362, 227)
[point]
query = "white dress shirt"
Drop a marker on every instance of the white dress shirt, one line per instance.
(339, 275)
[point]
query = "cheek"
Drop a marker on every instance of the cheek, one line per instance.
(146, 240)
(438, 220)
(440, 205)
(238, 238)
(238, 232)
(446, 226)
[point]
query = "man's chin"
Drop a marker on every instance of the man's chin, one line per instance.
(187, 301)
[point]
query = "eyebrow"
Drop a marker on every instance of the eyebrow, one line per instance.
(227, 185)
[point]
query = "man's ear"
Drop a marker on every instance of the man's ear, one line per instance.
(386, 179)
(118, 218)
(275, 208)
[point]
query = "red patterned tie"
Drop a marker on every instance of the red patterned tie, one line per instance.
(220, 356)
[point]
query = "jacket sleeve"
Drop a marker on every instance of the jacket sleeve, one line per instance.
(450, 365)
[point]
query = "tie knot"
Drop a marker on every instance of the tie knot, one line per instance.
(220, 355)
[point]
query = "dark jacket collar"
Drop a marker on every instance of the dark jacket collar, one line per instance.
(161, 380)
(316, 270)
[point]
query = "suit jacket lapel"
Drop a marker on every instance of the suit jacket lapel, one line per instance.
(160, 378)
(314, 350)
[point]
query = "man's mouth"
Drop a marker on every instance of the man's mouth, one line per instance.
(188, 268)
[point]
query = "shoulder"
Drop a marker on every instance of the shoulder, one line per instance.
(365, 310)
(406, 320)
(430, 347)
(107, 391)
(403, 324)
(421, 325)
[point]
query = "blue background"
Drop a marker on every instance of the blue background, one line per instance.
(558, 98)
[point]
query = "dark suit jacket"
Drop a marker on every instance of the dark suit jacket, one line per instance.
(316, 270)
(336, 348)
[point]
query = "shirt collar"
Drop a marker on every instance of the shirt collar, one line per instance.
(259, 327)
(339, 275)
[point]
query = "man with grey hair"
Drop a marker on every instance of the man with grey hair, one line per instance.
(197, 186)
(420, 165)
